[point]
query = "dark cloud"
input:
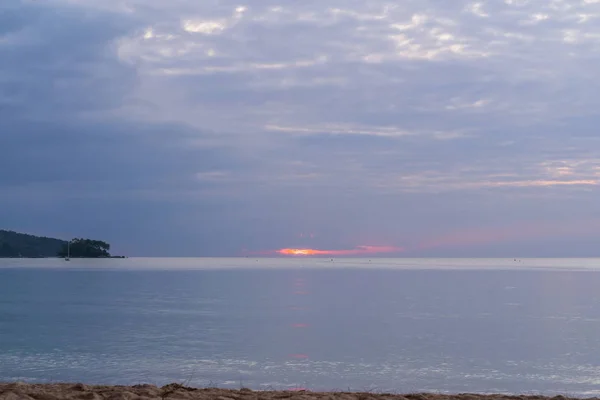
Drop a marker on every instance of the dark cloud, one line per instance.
(60, 60)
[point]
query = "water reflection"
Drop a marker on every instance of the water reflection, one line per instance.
(411, 330)
(300, 291)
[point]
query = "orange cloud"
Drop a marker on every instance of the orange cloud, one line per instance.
(359, 250)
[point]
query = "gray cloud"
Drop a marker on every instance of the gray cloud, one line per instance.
(203, 129)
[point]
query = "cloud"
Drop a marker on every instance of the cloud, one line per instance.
(241, 124)
(358, 251)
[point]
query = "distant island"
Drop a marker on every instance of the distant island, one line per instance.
(21, 245)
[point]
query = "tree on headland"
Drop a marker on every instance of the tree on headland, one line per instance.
(85, 248)
(6, 250)
(13, 244)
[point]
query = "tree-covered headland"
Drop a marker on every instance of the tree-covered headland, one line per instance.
(85, 248)
(16, 245)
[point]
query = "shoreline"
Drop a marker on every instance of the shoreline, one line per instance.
(77, 391)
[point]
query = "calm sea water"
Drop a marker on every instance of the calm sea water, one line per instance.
(391, 325)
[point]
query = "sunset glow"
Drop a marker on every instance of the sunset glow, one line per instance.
(360, 250)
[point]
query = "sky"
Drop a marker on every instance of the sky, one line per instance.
(418, 128)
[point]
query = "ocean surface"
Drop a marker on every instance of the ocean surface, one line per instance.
(393, 325)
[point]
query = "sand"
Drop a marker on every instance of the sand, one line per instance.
(18, 391)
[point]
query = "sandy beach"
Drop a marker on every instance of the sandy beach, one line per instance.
(18, 391)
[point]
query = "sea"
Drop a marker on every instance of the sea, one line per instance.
(523, 326)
